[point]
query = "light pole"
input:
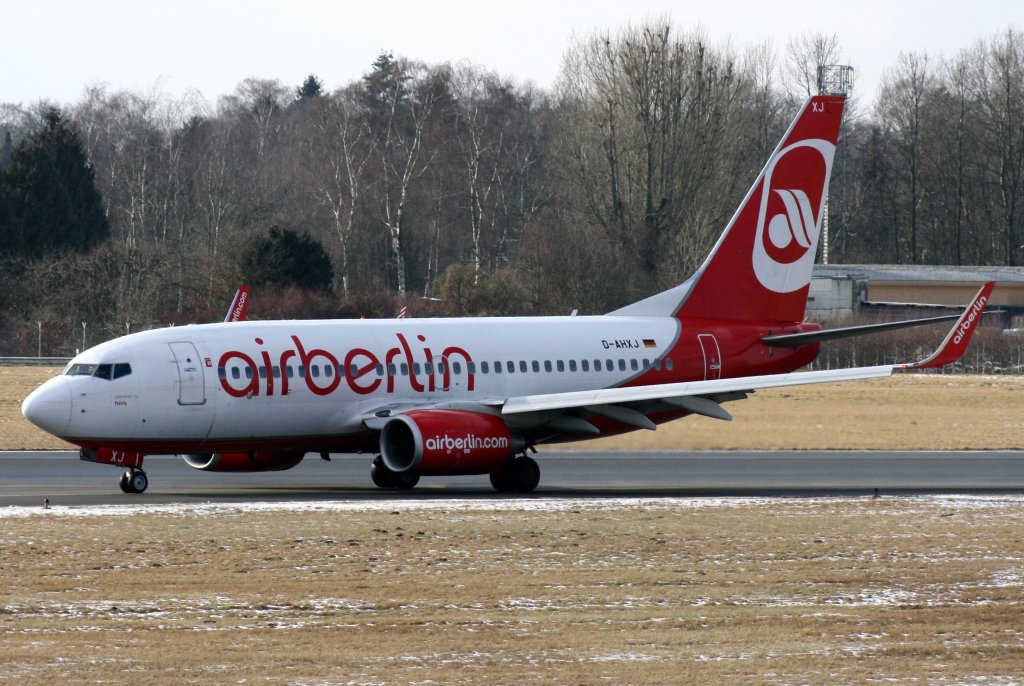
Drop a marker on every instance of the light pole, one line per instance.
(83, 336)
(39, 350)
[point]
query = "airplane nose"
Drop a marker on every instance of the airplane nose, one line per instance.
(49, 406)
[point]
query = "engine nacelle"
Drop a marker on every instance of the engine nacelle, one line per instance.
(434, 442)
(244, 462)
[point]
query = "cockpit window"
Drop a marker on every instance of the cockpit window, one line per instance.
(100, 371)
(81, 370)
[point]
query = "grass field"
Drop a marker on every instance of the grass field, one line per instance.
(906, 412)
(675, 591)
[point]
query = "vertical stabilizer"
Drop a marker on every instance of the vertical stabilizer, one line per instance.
(760, 268)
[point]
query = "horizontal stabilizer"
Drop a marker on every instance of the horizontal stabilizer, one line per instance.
(795, 340)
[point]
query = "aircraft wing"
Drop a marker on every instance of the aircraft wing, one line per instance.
(624, 404)
(705, 393)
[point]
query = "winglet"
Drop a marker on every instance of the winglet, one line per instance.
(955, 344)
(239, 306)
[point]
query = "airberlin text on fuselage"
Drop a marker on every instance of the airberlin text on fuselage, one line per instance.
(357, 367)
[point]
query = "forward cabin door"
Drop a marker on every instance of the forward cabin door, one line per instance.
(712, 356)
(191, 383)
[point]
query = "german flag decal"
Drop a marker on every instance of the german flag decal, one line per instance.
(649, 343)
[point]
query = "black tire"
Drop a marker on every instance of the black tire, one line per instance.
(125, 483)
(382, 476)
(502, 481)
(527, 474)
(518, 475)
(406, 481)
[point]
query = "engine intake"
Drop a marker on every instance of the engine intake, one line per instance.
(435, 442)
(244, 462)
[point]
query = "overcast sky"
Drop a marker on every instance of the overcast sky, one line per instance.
(55, 49)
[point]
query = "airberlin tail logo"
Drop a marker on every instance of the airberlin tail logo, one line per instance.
(792, 202)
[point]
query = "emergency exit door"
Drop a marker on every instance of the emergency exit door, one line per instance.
(712, 356)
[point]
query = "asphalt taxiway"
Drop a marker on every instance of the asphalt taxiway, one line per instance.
(27, 478)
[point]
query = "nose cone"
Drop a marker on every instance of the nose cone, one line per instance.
(49, 406)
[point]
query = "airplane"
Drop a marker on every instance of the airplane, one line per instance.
(462, 396)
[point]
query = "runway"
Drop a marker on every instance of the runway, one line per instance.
(26, 478)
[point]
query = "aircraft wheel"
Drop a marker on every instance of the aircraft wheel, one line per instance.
(501, 482)
(406, 481)
(381, 475)
(139, 482)
(126, 482)
(519, 475)
(527, 474)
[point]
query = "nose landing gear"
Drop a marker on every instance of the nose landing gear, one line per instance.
(134, 481)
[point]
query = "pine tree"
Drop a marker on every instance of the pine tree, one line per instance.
(312, 87)
(52, 203)
(286, 258)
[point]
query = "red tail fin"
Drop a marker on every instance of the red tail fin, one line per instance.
(760, 269)
(761, 266)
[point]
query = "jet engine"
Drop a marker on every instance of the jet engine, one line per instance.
(435, 442)
(244, 462)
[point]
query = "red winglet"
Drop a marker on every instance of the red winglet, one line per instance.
(955, 344)
(239, 306)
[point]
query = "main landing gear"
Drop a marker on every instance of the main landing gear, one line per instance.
(385, 478)
(134, 481)
(519, 475)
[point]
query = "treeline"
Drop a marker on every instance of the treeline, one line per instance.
(453, 190)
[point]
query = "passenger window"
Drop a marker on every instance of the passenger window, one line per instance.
(560, 365)
(547, 366)
(457, 367)
(572, 365)
(263, 372)
(353, 370)
(622, 365)
(236, 373)
(510, 366)
(277, 372)
(222, 373)
(428, 368)
(668, 364)
(328, 371)
(392, 370)
(597, 365)
(405, 369)
(380, 370)
(633, 365)
(522, 366)
(302, 371)
(611, 365)
(315, 369)
(647, 364)
(248, 372)
(536, 366)
(585, 365)
(657, 365)
(122, 369)
(416, 368)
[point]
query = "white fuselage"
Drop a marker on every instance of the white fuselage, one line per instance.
(240, 382)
